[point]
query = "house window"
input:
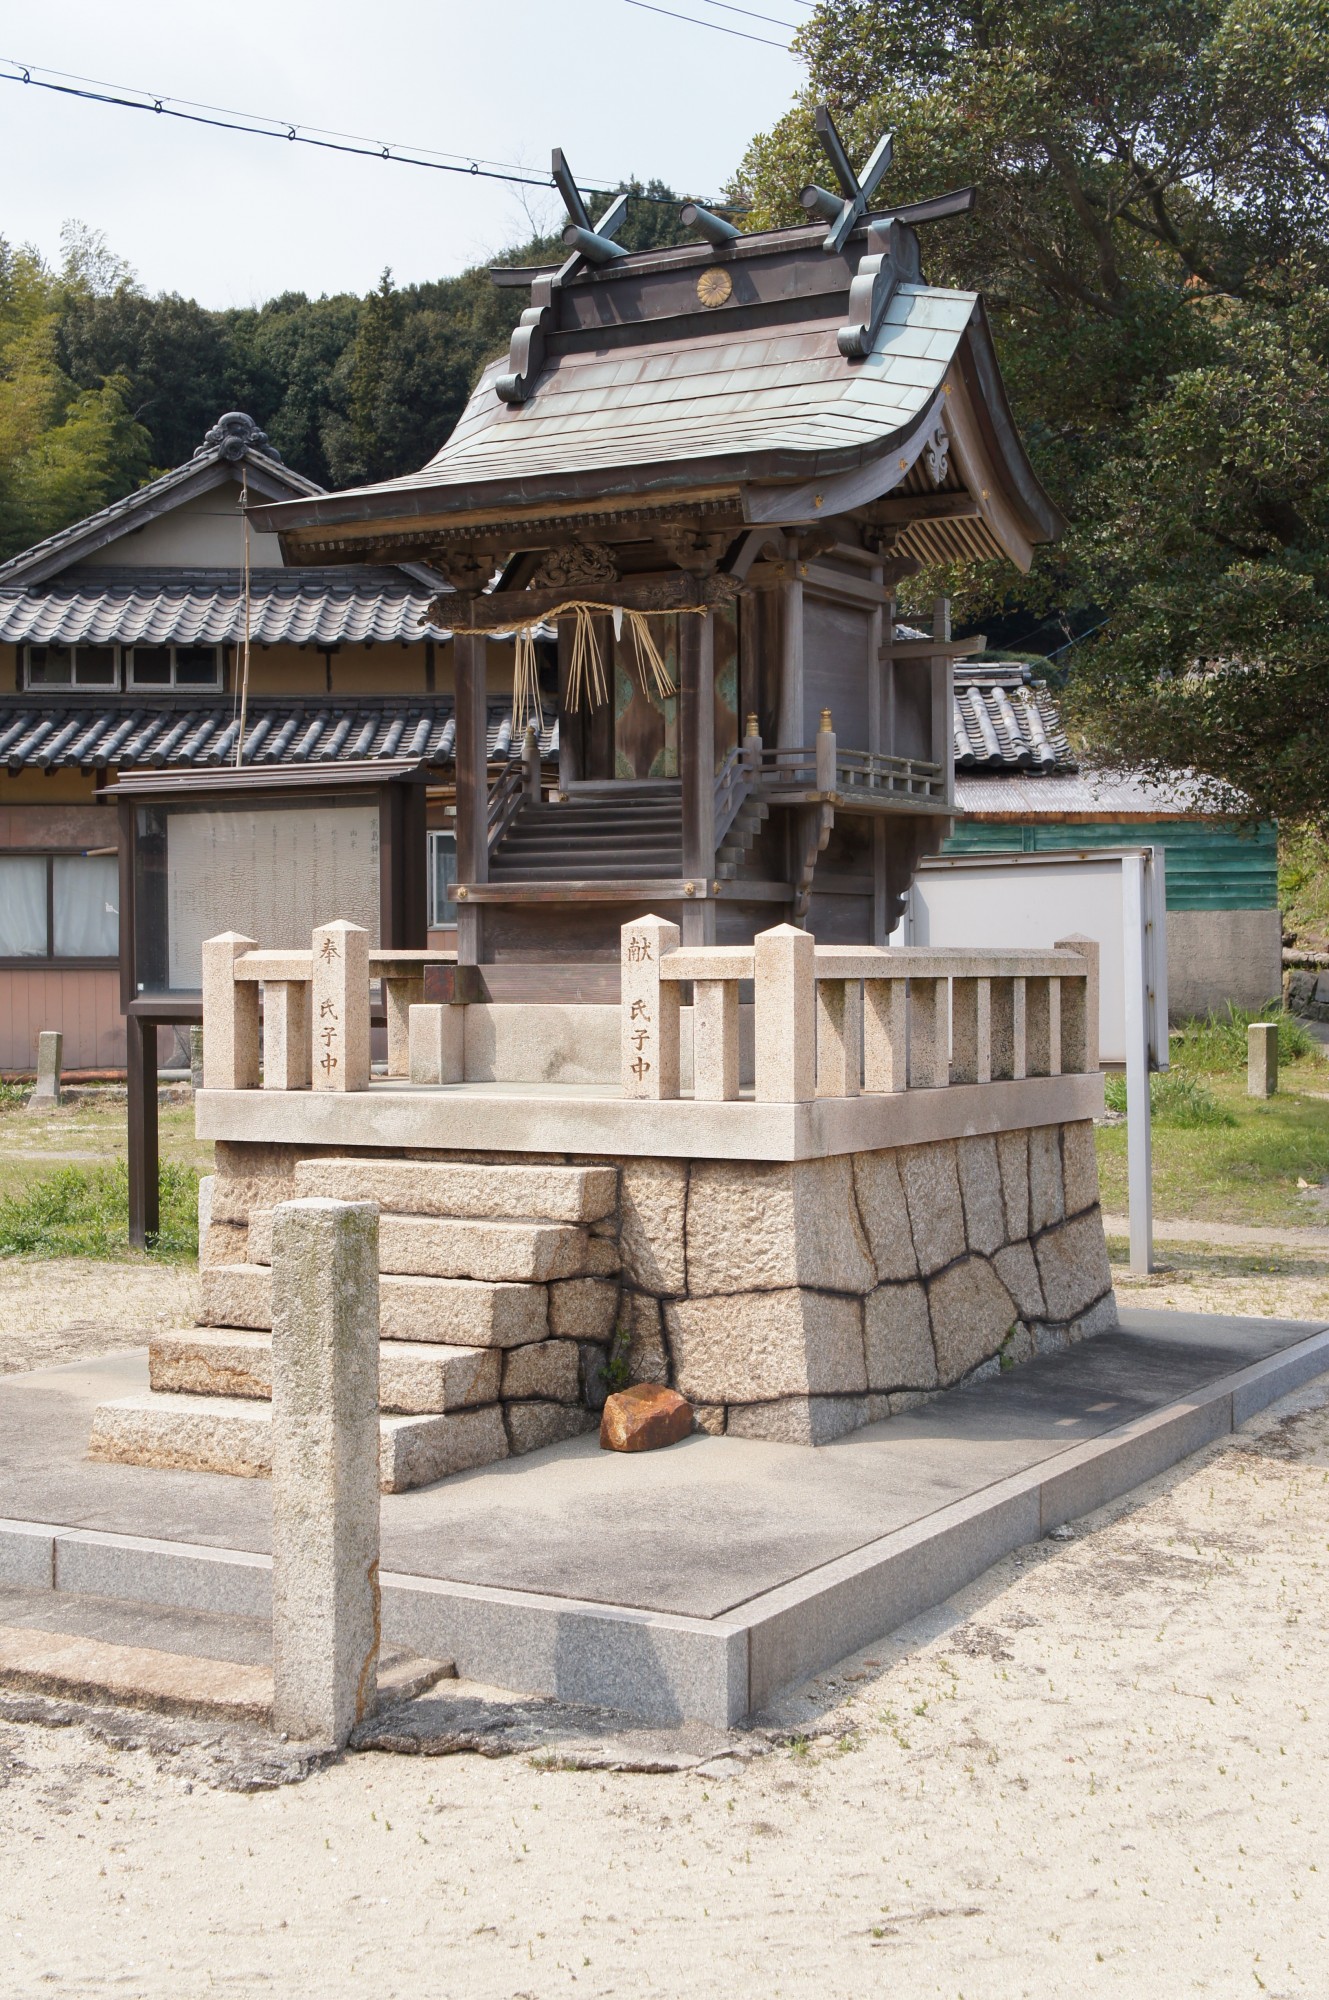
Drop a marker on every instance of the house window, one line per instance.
(59, 906)
(442, 875)
(174, 666)
(72, 666)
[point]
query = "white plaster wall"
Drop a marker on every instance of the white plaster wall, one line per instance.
(203, 533)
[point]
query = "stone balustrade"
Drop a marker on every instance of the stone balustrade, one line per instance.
(315, 1012)
(843, 1020)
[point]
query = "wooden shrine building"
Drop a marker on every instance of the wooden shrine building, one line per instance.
(709, 466)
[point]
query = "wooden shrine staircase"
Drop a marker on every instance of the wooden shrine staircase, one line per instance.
(626, 832)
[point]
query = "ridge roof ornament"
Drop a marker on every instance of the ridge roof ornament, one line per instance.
(847, 209)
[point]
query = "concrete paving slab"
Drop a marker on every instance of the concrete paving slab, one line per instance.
(692, 1582)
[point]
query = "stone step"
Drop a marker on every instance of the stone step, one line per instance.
(428, 1246)
(464, 1192)
(415, 1377)
(459, 1312)
(234, 1435)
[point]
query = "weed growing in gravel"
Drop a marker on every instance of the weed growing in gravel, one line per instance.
(1174, 1099)
(84, 1212)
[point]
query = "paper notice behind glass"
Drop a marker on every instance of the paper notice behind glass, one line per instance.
(271, 875)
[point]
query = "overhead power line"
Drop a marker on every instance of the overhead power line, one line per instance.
(717, 27)
(728, 7)
(128, 97)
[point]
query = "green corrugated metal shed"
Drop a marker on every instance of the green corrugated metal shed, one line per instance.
(1210, 865)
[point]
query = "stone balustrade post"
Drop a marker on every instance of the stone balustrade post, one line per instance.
(230, 1016)
(1079, 1009)
(325, 1467)
(286, 1034)
(784, 976)
(929, 1051)
(649, 1010)
(839, 1037)
(341, 1007)
(971, 1031)
(885, 1034)
(1042, 1027)
(715, 1039)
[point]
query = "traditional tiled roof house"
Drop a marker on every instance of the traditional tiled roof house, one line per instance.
(122, 647)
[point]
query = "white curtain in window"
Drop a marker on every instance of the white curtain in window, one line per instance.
(87, 906)
(22, 906)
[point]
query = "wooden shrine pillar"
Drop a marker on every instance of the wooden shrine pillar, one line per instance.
(472, 758)
(792, 734)
(943, 696)
(696, 762)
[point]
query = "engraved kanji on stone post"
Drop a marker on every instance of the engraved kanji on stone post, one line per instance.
(650, 1010)
(339, 1013)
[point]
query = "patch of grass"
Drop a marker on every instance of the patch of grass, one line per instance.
(1174, 1099)
(1216, 1044)
(1243, 1171)
(13, 1096)
(84, 1212)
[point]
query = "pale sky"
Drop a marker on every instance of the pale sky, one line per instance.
(232, 220)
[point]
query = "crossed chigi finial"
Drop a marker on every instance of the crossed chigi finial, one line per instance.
(846, 210)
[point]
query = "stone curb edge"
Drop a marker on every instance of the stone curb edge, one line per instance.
(664, 1667)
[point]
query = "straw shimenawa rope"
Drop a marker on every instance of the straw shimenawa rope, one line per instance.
(586, 669)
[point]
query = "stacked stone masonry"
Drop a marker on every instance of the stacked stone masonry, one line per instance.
(787, 1301)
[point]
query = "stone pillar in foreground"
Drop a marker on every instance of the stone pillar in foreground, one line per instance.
(1261, 1058)
(325, 1432)
(46, 1096)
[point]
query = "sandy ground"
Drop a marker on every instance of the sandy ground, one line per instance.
(1266, 1284)
(56, 1309)
(1101, 1769)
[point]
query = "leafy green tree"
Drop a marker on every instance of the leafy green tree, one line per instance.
(1152, 241)
(64, 450)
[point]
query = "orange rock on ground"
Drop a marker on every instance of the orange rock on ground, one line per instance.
(643, 1418)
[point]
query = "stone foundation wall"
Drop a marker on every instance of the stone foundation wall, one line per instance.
(791, 1301)
(798, 1301)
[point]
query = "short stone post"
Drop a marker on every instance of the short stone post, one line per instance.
(1261, 1058)
(436, 1042)
(649, 1009)
(325, 1481)
(341, 1007)
(399, 996)
(230, 1016)
(784, 982)
(46, 1096)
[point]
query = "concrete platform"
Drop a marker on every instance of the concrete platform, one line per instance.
(694, 1583)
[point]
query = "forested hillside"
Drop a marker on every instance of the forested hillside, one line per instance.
(102, 385)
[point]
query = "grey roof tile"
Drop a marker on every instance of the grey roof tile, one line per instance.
(309, 607)
(200, 732)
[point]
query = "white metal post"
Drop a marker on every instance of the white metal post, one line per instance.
(1139, 1148)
